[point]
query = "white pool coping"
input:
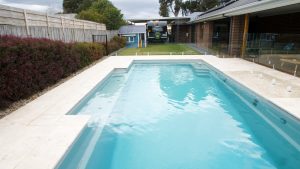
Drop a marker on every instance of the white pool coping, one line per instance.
(38, 134)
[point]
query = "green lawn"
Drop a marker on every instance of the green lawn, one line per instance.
(160, 49)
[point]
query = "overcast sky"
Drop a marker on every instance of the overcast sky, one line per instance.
(130, 8)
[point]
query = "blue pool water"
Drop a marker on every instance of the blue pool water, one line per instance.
(181, 116)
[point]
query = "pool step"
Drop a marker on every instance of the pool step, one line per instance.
(202, 72)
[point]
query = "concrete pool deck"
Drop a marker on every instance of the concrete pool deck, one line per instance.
(38, 134)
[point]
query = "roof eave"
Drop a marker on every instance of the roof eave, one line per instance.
(250, 8)
(215, 17)
(130, 33)
(260, 6)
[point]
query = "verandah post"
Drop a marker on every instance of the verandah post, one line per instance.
(245, 33)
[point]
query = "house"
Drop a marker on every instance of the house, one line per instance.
(239, 26)
(135, 35)
(183, 31)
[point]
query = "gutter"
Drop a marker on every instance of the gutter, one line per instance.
(260, 6)
(158, 19)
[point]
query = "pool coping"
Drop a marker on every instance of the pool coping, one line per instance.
(38, 134)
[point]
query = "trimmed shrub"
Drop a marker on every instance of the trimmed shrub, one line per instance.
(89, 52)
(30, 65)
(116, 43)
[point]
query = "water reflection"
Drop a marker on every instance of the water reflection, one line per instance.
(181, 85)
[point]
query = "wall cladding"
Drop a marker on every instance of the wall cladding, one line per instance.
(182, 33)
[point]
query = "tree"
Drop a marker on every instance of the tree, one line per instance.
(163, 9)
(102, 11)
(176, 7)
(71, 6)
(187, 7)
(169, 5)
(113, 18)
(85, 4)
(199, 5)
(91, 15)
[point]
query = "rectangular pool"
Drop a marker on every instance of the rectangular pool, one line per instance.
(181, 116)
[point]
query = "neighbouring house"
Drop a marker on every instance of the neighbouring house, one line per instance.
(135, 35)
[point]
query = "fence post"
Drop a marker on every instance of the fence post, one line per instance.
(26, 23)
(74, 29)
(106, 44)
(47, 20)
(83, 31)
(63, 28)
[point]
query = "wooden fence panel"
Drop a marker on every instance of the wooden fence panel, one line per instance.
(26, 23)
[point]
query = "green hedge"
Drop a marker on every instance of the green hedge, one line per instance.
(29, 65)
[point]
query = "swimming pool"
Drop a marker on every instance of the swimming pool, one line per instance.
(181, 116)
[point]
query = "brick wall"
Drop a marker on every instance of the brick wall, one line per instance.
(189, 40)
(198, 34)
(181, 33)
(236, 35)
(204, 33)
(207, 34)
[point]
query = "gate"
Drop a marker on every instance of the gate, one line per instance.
(101, 39)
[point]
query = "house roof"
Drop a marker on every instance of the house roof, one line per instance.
(223, 8)
(239, 7)
(194, 16)
(169, 19)
(132, 29)
(188, 18)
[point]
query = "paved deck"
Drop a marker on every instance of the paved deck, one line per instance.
(38, 134)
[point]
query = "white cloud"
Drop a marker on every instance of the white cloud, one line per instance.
(40, 8)
(138, 8)
(130, 8)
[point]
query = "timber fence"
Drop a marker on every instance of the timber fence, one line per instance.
(26, 23)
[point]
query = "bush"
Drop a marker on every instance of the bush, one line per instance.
(116, 43)
(89, 52)
(30, 65)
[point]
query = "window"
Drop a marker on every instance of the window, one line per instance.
(157, 29)
(130, 39)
